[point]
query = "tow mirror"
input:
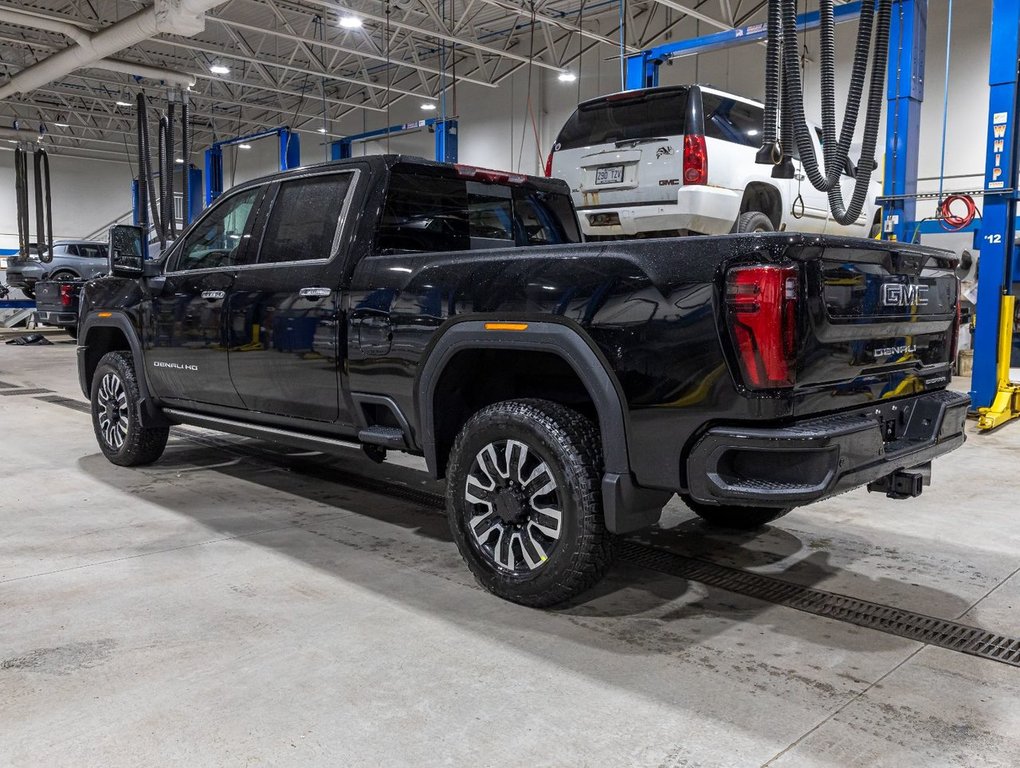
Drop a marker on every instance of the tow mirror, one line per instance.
(127, 251)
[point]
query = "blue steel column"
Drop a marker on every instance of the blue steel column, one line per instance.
(446, 141)
(642, 71)
(213, 173)
(999, 212)
(903, 125)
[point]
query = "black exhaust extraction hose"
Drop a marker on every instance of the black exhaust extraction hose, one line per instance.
(43, 205)
(145, 163)
(186, 175)
(171, 215)
(771, 152)
(143, 197)
(161, 170)
(21, 191)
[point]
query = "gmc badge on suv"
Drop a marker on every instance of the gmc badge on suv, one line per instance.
(899, 295)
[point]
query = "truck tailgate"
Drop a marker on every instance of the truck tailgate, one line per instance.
(877, 313)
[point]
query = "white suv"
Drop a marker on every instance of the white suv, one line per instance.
(635, 170)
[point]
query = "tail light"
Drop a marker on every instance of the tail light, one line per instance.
(695, 160)
(66, 297)
(762, 313)
(548, 166)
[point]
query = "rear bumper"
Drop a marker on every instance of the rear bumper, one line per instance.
(817, 458)
(60, 319)
(22, 275)
(704, 209)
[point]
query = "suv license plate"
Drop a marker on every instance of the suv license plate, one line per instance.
(612, 174)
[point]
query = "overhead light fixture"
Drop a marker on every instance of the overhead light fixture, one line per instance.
(244, 146)
(322, 130)
(219, 69)
(62, 125)
(179, 160)
(753, 132)
(567, 77)
(350, 22)
(122, 103)
(428, 106)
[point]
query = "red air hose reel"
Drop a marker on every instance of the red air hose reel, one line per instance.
(954, 222)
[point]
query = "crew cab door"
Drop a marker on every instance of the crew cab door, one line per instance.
(188, 359)
(284, 329)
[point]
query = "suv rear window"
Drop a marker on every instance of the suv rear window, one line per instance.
(641, 115)
(732, 120)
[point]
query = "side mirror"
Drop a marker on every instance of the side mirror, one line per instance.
(127, 251)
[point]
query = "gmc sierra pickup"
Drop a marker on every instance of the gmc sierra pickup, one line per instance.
(566, 391)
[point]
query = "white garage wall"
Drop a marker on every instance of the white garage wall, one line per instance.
(495, 122)
(86, 195)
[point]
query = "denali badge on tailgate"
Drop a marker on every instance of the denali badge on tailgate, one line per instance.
(899, 295)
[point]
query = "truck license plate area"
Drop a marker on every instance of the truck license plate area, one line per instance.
(610, 174)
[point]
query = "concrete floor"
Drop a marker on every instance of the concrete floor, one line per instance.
(231, 606)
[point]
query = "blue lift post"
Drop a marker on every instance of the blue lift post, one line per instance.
(996, 399)
(194, 200)
(290, 157)
(445, 138)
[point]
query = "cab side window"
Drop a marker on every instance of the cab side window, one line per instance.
(304, 219)
(218, 240)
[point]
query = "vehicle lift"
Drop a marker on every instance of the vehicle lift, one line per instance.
(15, 311)
(289, 155)
(445, 138)
(996, 400)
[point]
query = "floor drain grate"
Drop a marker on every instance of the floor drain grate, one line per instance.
(884, 618)
(67, 402)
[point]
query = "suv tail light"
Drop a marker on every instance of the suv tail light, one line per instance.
(762, 312)
(695, 160)
(548, 165)
(65, 294)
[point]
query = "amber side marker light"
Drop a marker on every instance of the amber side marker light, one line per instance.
(105, 314)
(506, 326)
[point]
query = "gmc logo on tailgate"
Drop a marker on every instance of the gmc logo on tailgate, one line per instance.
(899, 295)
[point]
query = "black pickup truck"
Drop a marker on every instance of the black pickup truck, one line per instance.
(56, 303)
(566, 391)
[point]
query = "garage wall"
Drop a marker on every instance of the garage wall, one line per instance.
(86, 195)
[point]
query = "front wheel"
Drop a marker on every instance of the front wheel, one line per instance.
(524, 501)
(734, 517)
(122, 437)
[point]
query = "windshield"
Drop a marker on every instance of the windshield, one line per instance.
(641, 115)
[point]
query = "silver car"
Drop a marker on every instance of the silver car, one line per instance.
(72, 260)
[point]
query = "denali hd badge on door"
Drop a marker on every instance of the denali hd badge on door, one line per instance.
(899, 295)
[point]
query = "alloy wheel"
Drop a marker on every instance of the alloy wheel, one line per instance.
(113, 412)
(514, 506)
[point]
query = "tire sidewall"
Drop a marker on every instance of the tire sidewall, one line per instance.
(477, 435)
(115, 364)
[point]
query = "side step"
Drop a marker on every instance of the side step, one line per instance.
(387, 437)
(262, 432)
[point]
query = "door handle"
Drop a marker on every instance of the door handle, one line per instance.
(315, 293)
(213, 295)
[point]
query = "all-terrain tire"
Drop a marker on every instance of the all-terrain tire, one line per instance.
(536, 568)
(735, 517)
(122, 437)
(752, 221)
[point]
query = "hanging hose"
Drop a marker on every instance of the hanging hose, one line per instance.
(43, 206)
(789, 103)
(143, 150)
(952, 222)
(21, 190)
(164, 214)
(171, 216)
(145, 167)
(771, 152)
(186, 177)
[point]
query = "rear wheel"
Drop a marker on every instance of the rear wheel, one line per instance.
(116, 415)
(753, 221)
(63, 276)
(734, 517)
(29, 292)
(524, 501)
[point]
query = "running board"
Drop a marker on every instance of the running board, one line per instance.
(261, 432)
